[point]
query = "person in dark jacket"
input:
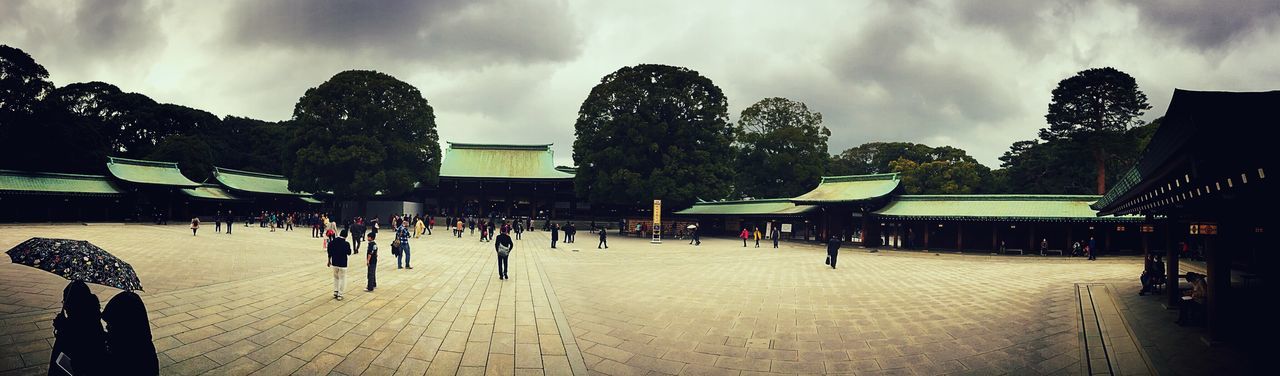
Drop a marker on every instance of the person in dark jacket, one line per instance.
(357, 235)
(229, 218)
(371, 260)
(77, 333)
(833, 250)
(503, 245)
(604, 239)
(129, 347)
(338, 251)
(774, 235)
(555, 235)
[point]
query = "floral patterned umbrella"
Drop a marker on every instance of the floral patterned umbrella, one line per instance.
(76, 260)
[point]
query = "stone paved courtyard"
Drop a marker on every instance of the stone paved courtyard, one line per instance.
(258, 302)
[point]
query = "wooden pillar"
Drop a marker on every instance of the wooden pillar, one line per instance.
(1172, 295)
(1106, 237)
(866, 229)
(1067, 247)
(1146, 250)
(995, 238)
(927, 230)
(1031, 238)
(959, 236)
(1218, 268)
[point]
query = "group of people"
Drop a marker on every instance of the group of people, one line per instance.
(82, 347)
(338, 249)
(757, 235)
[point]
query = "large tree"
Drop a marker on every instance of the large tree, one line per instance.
(782, 149)
(1095, 107)
(943, 177)
(363, 132)
(653, 132)
(874, 157)
(23, 84)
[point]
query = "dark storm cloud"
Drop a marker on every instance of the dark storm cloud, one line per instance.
(94, 28)
(897, 73)
(450, 31)
(1209, 24)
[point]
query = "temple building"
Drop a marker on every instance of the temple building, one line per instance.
(503, 180)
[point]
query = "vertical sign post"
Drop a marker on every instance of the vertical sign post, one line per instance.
(657, 222)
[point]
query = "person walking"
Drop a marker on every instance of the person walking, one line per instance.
(419, 228)
(744, 235)
(833, 250)
(230, 219)
(458, 231)
(519, 228)
(357, 234)
(431, 222)
(217, 222)
(77, 332)
(1093, 249)
(503, 245)
(604, 239)
(371, 260)
(696, 239)
(758, 235)
(774, 236)
(195, 225)
(555, 236)
(338, 251)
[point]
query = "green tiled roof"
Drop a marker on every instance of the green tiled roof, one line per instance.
(253, 182)
(997, 207)
(22, 182)
(495, 161)
(148, 172)
(777, 206)
(311, 200)
(210, 192)
(853, 188)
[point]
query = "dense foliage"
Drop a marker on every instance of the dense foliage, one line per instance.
(653, 132)
(781, 147)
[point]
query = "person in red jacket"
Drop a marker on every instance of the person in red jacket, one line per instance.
(744, 235)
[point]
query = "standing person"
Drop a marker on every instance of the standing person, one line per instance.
(569, 231)
(130, 349)
(555, 236)
(338, 251)
(419, 228)
(528, 224)
(503, 245)
(833, 250)
(774, 235)
(519, 228)
(492, 227)
(195, 225)
(758, 235)
(288, 222)
(77, 332)
(315, 225)
(604, 239)
(271, 221)
(1093, 249)
(431, 222)
(471, 225)
(1044, 245)
(217, 222)
(744, 235)
(458, 230)
(371, 260)
(330, 225)
(402, 235)
(230, 219)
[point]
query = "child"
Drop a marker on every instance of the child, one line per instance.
(371, 259)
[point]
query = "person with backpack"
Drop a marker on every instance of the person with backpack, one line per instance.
(503, 245)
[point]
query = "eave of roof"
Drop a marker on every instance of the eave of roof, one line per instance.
(850, 189)
(148, 172)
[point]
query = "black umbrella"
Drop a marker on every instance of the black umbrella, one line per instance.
(76, 260)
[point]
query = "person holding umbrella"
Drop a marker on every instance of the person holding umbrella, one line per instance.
(79, 341)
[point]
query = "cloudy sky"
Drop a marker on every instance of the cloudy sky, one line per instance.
(967, 73)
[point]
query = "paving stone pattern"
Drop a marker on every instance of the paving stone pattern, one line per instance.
(260, 303)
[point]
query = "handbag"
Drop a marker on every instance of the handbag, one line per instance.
(504, 250)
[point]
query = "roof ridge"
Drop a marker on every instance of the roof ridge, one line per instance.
(143, 162)
(999, 197)
(232, 171)
(466, 145)
(762, 200)
(866, 177)
(51, 174)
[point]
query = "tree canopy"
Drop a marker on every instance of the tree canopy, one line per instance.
(363, 132)
(653, 132)
(1096, 107)
(782, 149)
